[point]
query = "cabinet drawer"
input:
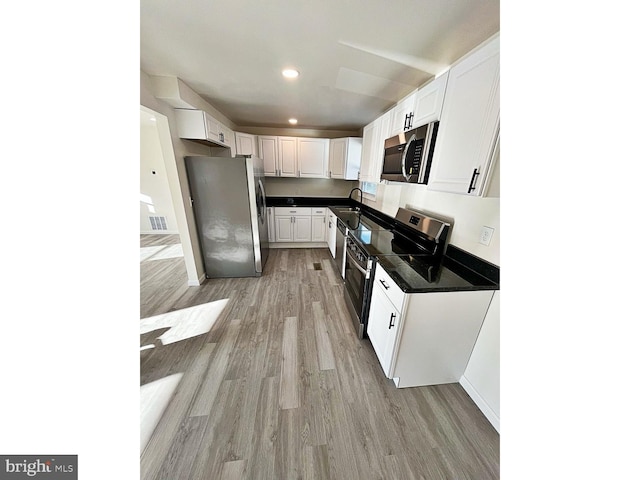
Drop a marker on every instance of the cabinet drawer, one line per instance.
(389, 287)
(321, 211)
(293, 210)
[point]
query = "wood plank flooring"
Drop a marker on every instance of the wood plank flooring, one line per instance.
(281, 388)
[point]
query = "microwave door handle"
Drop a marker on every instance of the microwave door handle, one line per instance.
(404, 157)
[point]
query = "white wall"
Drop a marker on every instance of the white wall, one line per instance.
(154, 187)
(177, 177)
(481, 378)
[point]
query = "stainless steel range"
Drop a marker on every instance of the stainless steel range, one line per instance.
(351, 220)
(414, 234)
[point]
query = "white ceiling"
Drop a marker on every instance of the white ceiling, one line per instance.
(356, 57)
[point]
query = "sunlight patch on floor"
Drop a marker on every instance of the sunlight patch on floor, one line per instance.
(185, 323)
(146, 252)
(154, 398)
(169, 251)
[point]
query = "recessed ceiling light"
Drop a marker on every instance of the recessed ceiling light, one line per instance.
(293, 121)
(290, 73)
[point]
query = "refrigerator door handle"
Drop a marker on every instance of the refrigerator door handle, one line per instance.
(263, 201)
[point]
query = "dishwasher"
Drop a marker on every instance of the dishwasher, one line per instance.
(341, 239)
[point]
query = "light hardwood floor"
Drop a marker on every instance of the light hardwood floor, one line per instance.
(281, 388)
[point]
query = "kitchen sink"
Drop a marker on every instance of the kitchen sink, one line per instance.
(347, 209)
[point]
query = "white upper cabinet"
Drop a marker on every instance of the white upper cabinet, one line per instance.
(268, 151)
(345, 155)
(294, 156)
(373, 137)
(228, 138)
(470, 123)
(421, 107)
(287, 157)
(402, 115)
(429, 100)
(313, 157)
(246, 144)
(199, 125)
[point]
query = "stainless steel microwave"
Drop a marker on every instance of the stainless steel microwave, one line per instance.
(408, 156)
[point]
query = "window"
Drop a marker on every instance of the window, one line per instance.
(370, 188)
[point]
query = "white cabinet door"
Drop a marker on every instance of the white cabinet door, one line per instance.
(318, 228)
(369, 133)
(429, 100)
(354, 157)
(287, 156)
(383, 327)
(345, 156)
(313, 157)
(374, 148)
(402, 115)
(284, 229)
(302, 228)
(470, 123)
(197, 125)
(331, 233)
(246, 144)
(337, 157)
(213, 127)
(268, 151)
(227, 137)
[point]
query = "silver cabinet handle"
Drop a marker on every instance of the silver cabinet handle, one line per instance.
(386, 287)
(393, 317)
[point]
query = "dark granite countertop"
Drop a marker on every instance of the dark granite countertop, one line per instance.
(309, 201)
(413, 275)
(458, 270)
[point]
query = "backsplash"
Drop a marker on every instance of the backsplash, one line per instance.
(467, 213)
(307, 187)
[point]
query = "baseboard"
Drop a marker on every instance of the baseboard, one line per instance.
(482, 405)
(198, 282)
(298, 245)
(159, 232)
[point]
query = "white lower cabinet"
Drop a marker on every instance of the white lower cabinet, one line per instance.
(302, 228)
(292, 224)
(424, 338)
(299, 224)
(318, 224)
(383, 327)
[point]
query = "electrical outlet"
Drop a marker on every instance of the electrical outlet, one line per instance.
(485, 235)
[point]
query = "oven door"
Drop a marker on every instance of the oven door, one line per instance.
(356, 280)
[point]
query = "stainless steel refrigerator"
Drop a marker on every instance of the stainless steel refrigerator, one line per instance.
(229, 203)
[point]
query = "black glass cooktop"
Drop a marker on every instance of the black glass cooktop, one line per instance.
(356, 221)
(388, 242)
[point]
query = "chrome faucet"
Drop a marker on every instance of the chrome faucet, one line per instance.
(352, 190)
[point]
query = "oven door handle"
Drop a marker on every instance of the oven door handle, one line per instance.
(355, 264)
